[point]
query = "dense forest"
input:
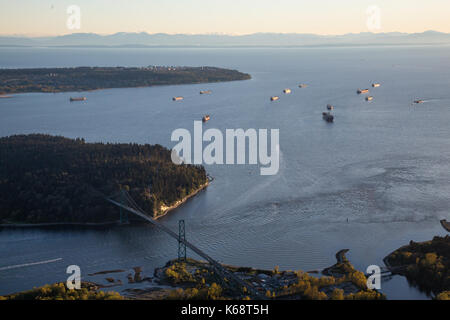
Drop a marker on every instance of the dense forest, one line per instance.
(54, 179)
(427, 263)
(92, 78)
(58, 291)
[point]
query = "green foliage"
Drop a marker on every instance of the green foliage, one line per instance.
(365, 295)
(59, 291)
(443, 296)
(52, 179)
(312, 288)
(87, 78)
(177, 273)
(213, 292)
(427, 263)
(337, 294)
(357, 278)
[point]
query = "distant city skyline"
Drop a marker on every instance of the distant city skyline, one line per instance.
(233, 17)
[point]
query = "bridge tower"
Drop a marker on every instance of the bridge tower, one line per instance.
(181, 241)
(123, 213)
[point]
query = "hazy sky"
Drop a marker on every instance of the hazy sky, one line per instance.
(49, 17)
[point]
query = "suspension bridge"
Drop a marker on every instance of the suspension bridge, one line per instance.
(126, 203)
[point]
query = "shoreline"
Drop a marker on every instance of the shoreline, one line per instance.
(182, 201)
(58, 224)
(103, 224)
(85, 79)
(13, 94)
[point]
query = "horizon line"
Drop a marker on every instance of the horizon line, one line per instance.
(216, 33)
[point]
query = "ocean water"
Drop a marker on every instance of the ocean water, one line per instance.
(376, 178)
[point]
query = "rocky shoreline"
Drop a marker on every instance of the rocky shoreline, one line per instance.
(166, 210)
(104, 224)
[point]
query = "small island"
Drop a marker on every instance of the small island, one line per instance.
(49, 179)
(94, 78)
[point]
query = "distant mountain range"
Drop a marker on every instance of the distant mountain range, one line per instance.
(143, 39)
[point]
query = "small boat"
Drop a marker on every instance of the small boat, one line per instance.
(302, 85)
(376, 85)
(330, 107)
(177, 98)
(274, 98)
(287, 91)
(362, 91)
(328, 117)
(206, 118)
(78, 99)
(369, 98)
(205, 92)
(419, 101)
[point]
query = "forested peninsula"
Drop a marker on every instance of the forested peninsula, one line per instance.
(425, 264)
(94, 78)
(52, 179)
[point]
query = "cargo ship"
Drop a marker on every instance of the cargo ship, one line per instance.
(328, 117)
(205, 92)
(274, 98)
(78, 99)
(206, 118)
(287, 91)
(369, 98)
(177, 98)
(362, 91)
(376, 85)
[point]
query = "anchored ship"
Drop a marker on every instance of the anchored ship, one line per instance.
(177, 98)
(376, 85)
(205, 92)
(330, 107)
(369, 98)
(362, 91)
(287, 91)
(78, 99)
(274, 98)
(302, 85)
(328, 117)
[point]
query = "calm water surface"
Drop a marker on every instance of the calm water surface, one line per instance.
(383, 165)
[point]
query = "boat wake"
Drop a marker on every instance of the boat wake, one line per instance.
(29, 264)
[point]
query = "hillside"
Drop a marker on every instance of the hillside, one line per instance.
(143, 39)
(87, 78)
(47, 179)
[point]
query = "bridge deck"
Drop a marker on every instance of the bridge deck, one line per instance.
(217, 266)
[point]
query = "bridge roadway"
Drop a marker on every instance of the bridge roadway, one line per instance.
(224, 273)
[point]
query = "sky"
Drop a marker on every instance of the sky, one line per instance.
(50, 17)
